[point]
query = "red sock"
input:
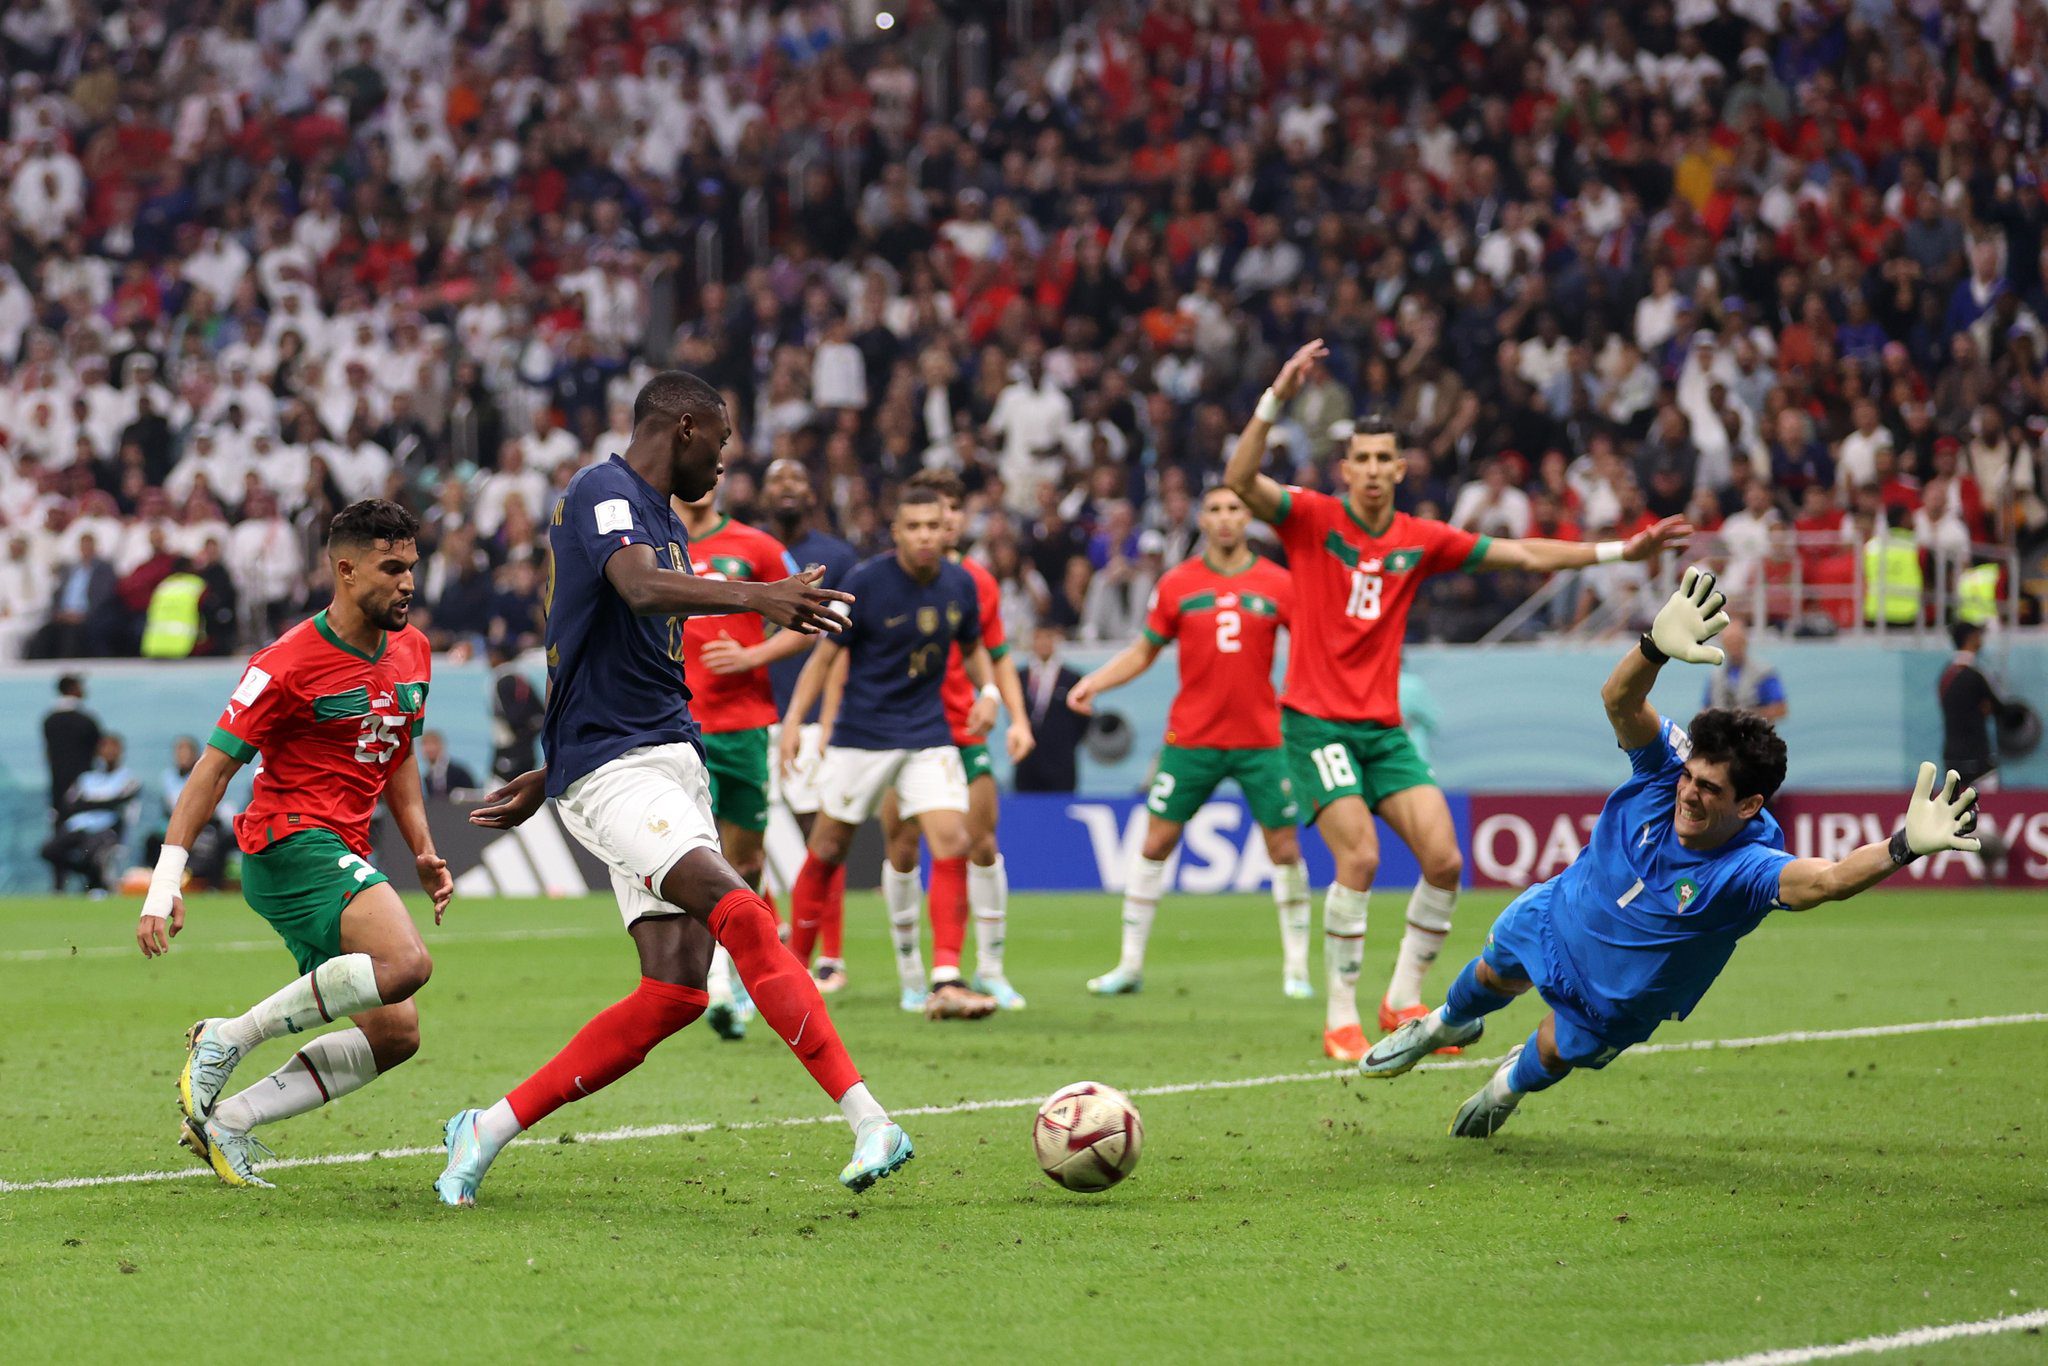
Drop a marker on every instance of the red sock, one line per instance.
(782, 990)
(614, 1043)
(949, 912)
(832, 933)
(810, 904)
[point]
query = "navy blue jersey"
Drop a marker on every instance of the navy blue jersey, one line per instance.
(615, 680)
(1643, 924)
(839, 559)
(897, 641)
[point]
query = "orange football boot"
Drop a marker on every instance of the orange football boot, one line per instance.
(1347, 1044)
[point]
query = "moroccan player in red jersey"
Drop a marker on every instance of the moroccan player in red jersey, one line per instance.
(332, 706)
(726, 659)
(1357, 566)
(988, 881)
(1224, 609)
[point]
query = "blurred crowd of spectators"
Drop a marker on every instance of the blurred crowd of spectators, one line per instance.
(1777, 265)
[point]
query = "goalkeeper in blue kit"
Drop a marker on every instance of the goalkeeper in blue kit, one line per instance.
(1683, 862)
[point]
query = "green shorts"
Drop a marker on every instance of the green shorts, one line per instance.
(301, 885)
(1332, 759)
(1184, 778)
(738, 760)
(974, 758)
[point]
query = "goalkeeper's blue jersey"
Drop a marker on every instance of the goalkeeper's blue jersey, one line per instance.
(1645, 924)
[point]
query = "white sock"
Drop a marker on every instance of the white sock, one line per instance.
(861, 1109)
(903, 894)
(1290, 896)
(1498, 1087)
(338, 988)
(718, 983)
(1141, 900)
(496, 1127)
(1429, 920)
(1343, 950)
(327, 1068)
(988, 898)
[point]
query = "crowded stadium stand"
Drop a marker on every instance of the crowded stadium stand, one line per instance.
(1778, 267)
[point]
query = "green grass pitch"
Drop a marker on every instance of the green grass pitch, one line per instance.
(1681, 1206)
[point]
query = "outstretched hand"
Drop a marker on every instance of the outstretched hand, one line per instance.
(1673, 534)
(1942, 820)
(797, 603)
(1294, 374)
(511, 804)
(1691, 618)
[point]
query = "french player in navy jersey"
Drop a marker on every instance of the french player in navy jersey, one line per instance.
(889, 733)
(1683, 862)
(793, 517)
(626, 768)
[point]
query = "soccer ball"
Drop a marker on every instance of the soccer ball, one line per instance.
(1087, 1136)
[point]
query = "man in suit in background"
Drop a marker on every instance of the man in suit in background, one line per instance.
(71, 739)
(84, 611)
(439, 774)
(1051, 766)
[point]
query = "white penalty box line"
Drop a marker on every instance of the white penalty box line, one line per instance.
(2032, 1322)
(633, 1133)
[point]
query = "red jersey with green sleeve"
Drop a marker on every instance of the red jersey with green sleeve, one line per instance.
(1227, 626)
(1352, 594)
(728, 702)
(956, 692)
(331, 724)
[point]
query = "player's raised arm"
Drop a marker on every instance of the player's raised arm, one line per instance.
(1262, 493)
(1684, 625)
(796, 603)
(163, 908)
(1542, 556)
(1125, 665)
(1934, 821)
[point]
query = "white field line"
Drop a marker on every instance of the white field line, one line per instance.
(1891, 1342)
(631, 1133)
(435, 937)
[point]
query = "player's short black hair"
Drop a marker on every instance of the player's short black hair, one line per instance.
(1216, 486)
(1373, 422)
(70, 685)
(919, 495)
(371, 520)
(672, 393)
(1961, 631)
(943, 482)
(1745, 742)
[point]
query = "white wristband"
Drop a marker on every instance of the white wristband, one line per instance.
(166, 881)
(991, 692)
(1269, 408)
(1607, 552)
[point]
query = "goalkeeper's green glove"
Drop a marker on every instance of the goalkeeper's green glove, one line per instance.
(1688, 621)
(1937, 820)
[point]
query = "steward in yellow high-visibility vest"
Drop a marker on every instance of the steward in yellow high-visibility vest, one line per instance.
(171, 628)
(1977, 595)
(1891, 573)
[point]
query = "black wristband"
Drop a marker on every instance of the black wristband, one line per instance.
(1650, 650)
(1901, 852)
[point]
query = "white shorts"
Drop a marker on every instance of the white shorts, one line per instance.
(641, 813)
(798, 789)
(851, 781)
